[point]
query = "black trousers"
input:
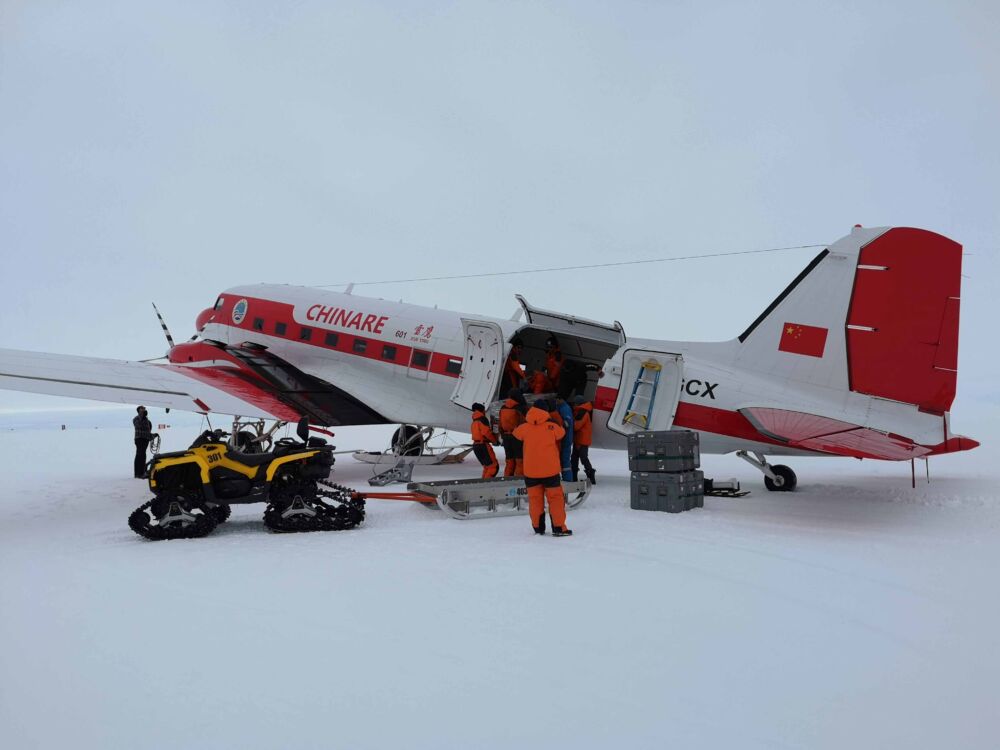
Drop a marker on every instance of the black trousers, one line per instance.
(140, 456)
(581, 453)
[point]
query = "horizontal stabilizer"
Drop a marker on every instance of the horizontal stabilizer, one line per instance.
(818, 433)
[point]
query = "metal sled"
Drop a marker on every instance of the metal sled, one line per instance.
(490, 498)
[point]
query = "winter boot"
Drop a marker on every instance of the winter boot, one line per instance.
(561, 531)
(540, 528)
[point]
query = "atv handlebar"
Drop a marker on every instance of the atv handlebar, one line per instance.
(210, 436)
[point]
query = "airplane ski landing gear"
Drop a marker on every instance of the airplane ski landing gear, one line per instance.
(408, 440)
(777, 477)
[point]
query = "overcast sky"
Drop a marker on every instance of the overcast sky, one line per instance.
(166, 151)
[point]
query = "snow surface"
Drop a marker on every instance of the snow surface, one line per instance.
(856, 612)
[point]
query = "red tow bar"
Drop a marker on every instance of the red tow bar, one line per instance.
(416, 497)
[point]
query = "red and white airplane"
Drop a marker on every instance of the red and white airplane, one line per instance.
(857, 357)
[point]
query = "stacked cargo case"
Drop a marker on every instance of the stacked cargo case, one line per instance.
(665, 474)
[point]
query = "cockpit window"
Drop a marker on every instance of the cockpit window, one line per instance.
(218, 303)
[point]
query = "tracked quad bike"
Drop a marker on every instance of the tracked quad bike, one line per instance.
(193, 489)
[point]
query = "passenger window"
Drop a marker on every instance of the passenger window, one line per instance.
(389, 352)
(305, 334)
(258, 324)
(331, 339)
(360, 345)
(280, 328)
(454, 366)
(420, 359)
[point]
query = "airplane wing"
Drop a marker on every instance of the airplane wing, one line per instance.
(818, 433)
(195, 388)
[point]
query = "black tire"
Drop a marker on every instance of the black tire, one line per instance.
(788, 480)
(246, 442)
(402, 435)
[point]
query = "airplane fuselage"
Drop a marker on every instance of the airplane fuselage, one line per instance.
(405, 361)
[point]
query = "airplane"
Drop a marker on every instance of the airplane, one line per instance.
(857, 357)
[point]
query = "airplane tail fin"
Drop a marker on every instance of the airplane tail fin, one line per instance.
(876, 313)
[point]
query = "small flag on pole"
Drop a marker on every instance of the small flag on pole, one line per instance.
(801, 339)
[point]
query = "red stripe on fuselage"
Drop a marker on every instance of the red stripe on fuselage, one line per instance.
(697, 417)
(274, 313)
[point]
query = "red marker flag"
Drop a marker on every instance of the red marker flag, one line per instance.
(799, 339)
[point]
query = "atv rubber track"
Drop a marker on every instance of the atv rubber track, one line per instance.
(139, 522)
(333, 509)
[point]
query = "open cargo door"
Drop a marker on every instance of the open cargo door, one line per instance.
(649, 391)
(567, 324)
(482, 363)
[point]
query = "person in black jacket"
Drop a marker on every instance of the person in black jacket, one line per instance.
(143, 434)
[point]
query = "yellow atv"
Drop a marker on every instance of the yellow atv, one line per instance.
(193, 489)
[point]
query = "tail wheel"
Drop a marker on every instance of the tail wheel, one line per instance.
(785, 479)
(174, 517)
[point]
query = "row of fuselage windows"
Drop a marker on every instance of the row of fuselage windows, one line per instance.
(419, 359)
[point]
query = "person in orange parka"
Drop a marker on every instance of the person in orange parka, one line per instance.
(553, 362)
(541, 469)
(483, 441)
(512, 415)
(513, 372)
(583, 436)
(537, 382)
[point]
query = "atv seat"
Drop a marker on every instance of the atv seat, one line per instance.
(172, 454)
(250, 459)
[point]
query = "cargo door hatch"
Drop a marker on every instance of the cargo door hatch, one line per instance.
(482, 363)
(561, 323)
(649, 391)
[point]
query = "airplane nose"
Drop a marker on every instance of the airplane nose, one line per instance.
(204, 317)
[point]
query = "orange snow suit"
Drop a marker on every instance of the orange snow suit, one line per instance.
(542, 466)
(583, 424)
(512, 371)
(553, 366)
(513, 449)
(483, 441)
(538, 382)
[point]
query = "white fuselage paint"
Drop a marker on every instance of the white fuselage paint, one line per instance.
(716, 383)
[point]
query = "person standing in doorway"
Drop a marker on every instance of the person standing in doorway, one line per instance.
(513, 371)
(143, 434)
(553, 362)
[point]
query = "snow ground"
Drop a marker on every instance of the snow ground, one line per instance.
(856, 612)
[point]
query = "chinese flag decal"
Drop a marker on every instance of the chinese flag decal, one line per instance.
(799, 339)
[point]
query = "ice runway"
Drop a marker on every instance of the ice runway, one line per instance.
(856, 612)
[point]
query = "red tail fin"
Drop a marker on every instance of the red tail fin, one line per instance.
(902, 324)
